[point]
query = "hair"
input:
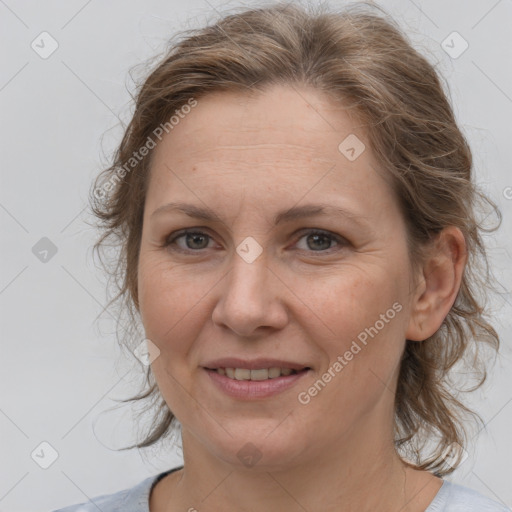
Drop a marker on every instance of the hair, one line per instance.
(363, 60)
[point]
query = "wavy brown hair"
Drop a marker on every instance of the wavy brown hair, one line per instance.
(362, 59)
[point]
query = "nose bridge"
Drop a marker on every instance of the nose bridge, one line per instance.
(246, 281)
(247, 301)
(248, 272)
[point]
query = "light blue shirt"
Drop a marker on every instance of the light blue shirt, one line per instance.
(450, 498)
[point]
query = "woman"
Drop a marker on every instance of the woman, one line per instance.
(296, 213)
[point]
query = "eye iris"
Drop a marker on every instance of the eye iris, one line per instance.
(316, 241)
(316, 236)
(195, 237)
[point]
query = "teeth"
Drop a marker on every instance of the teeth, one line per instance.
(242, 374)
(259, 374)
(274, 372)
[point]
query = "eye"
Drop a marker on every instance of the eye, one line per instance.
(319, 240)
(195, 241)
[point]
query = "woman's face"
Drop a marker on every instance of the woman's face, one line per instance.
(327, 291)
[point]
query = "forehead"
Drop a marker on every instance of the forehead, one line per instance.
(285, 138)
(294, 117)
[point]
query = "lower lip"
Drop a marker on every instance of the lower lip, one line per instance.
(254, 388)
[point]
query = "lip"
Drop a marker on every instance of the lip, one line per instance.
(254, 389)
(254, 364)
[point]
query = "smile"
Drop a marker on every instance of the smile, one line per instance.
(255, 383)
(257, 374)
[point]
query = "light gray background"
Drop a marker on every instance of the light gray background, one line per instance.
(61, 370)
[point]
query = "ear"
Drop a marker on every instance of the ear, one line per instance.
(438, 285)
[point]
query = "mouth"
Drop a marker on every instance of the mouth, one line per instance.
(257, 374)
(254, 379)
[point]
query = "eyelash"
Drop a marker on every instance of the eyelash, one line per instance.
(171, 239)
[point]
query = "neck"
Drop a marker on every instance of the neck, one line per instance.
(364, 475)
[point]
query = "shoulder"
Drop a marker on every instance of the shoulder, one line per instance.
(457, 498)
(133, 499)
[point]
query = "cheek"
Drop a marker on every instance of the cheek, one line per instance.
(159, 299)
(171, 304)
(339, 307)
(169, 312)
(358, 323)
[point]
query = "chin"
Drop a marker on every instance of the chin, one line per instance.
(264, 452)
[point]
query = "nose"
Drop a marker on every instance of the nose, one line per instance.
(251, 299)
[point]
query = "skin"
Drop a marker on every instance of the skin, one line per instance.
(247, 157)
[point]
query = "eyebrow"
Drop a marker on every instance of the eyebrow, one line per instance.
(294, 213)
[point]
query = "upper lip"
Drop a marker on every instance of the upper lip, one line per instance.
(253, 364)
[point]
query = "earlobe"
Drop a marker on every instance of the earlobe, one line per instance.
(439, 284)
